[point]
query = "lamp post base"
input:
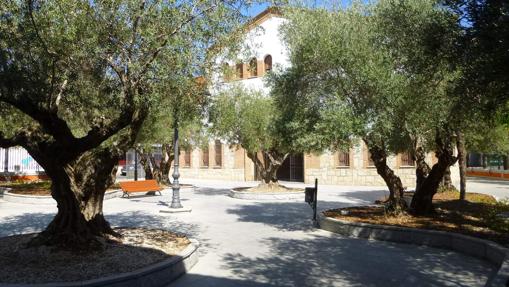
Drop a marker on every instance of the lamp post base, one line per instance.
(176, 210)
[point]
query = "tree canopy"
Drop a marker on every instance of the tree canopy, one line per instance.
(84, 75)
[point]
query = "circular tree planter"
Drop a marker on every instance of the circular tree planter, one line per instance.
(244, 193)
(483, 249)
(46, 199)
(154, 275)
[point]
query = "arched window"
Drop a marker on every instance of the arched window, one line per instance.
(343, 159)
(253, 67)
(239, 71)
(268, 63)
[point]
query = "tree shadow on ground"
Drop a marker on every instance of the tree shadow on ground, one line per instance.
(338, 261)
(191, 279)
(294, 215)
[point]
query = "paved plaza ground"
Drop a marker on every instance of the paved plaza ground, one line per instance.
(249, 243)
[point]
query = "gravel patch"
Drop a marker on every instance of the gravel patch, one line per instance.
(139, 248)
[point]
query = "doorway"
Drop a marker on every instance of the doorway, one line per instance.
(292, 168)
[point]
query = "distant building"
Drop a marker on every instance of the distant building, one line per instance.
(221, 162)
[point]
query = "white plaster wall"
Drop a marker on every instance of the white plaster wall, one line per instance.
(259, 42)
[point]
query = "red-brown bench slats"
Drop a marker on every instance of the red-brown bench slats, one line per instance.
(139, 186)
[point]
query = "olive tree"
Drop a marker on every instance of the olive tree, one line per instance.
(247, 118)
(341, 71)
(183, 101)
(379, 62)
(81, 74)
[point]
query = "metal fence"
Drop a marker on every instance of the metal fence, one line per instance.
(17, 160)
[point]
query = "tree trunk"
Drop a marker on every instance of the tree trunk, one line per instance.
(422, 201)
(506, 162)
(157, 170)
(422, 169)
(462, 161)
(268, 166)
(146, 163)
(79, 187)
(446, 179)
(395, 202)
(162, 169)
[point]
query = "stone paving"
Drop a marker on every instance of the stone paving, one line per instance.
(499, 188)
(249, 243)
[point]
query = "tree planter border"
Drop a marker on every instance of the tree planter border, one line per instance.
(479, 248)
(155, 275)
(46, 199)
(250, 195)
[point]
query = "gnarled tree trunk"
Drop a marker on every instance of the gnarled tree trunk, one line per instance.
(422, 169)
(446, 179)
(268, 165)
(162, 170)
(422, 201)
(145, 163)
(157, 170)
(396, 190)
(78, 188)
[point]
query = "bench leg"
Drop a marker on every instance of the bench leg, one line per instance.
(160, 192)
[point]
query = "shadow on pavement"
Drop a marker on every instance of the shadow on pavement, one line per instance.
(294, 215)
(35, 222)
(338, 261)
(211, 191)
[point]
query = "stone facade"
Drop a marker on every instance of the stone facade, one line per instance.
(236, 166)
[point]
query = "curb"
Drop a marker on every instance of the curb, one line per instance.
(479, 248)
(157, 275)
(45, 199)
(292, 195)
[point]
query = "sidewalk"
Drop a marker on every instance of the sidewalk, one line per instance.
(249, 243)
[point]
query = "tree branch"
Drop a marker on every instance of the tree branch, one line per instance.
(48, 120)
(38, 35)
(17, 140)
(153, 55)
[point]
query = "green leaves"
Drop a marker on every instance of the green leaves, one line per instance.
(381, 70)
(246, 118)
(101, 65)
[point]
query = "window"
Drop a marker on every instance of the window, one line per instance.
(369, 160)
(187, 157)
(406, 159)
(218, 151)
(253, 67)
(343, 159)
(268, 63)
(239, 71)
(205, 156)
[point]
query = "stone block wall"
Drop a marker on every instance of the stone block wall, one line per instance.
(231, 168)
(236, 166)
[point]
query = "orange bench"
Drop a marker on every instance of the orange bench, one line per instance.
(139, 186)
